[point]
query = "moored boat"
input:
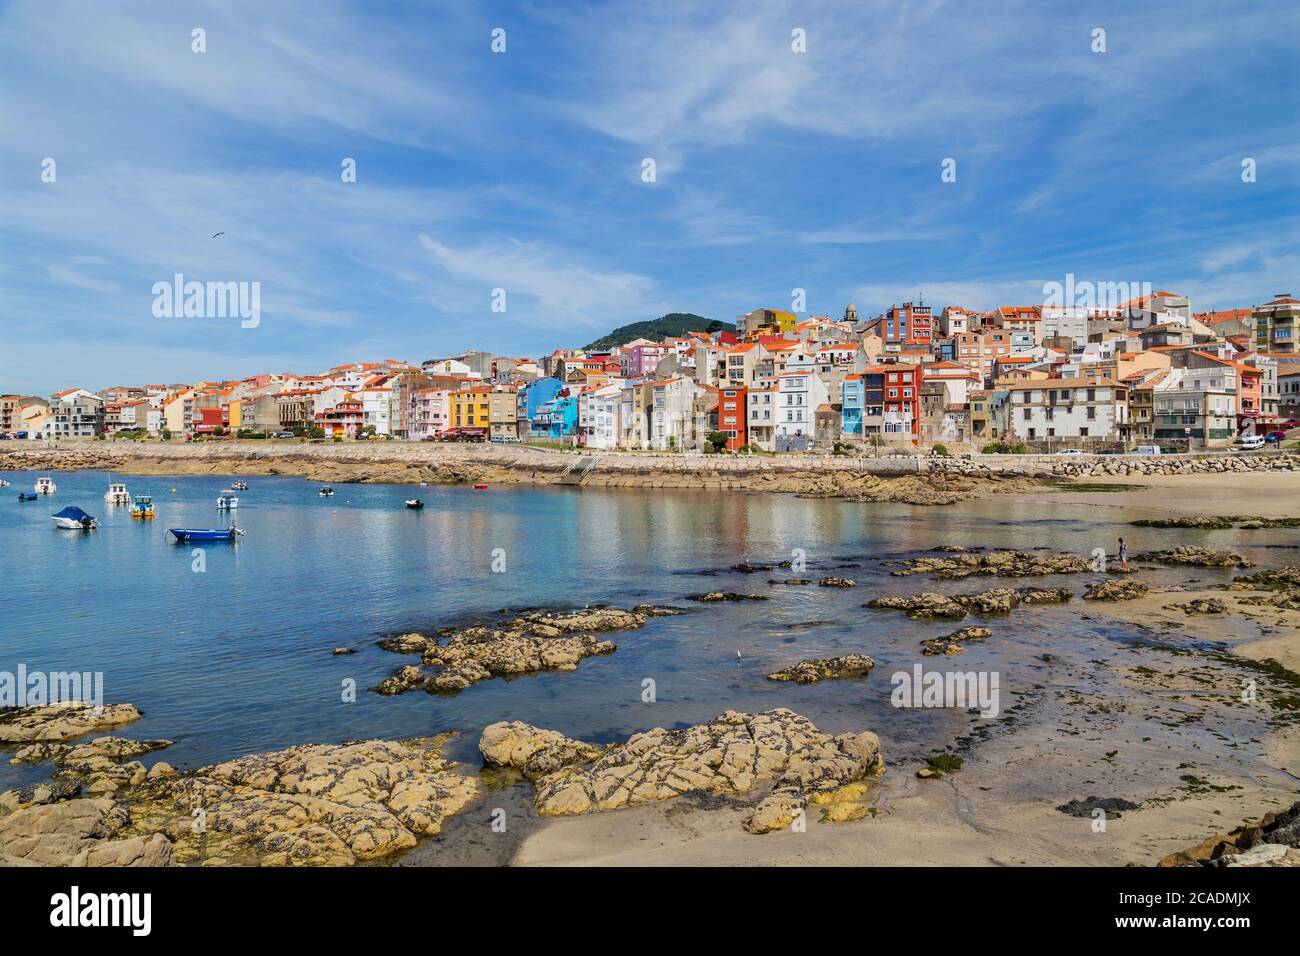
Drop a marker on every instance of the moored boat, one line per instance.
(142, 506)
(480, 487)
(3, 483)
(27, 496)
(326, 492)
(239, 485)
(227, 500)
(46, 486)
(205, 534)
(117, 494)
(73, 518)
(414, 503)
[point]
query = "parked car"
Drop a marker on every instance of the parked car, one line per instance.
(1249, 443)
(1276, 436)
(1070, 451)
(283, 435)
(504, 438)
(1146, 450)
(1291, 423)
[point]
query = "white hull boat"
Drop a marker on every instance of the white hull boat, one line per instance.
(46, 486)
(74, 519)
(117, 495)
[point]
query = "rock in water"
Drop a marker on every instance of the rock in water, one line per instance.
(536, 641)
(316, 804)
(1004, 564)
(406, 678)
(1192, 555)
(66, 721)
(79, 833)
(533, 751)
(733, 755)
(814, 671)
(953, 643)
(1115, 589)
(922, 606)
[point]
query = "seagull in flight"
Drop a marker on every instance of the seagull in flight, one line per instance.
(215, 234)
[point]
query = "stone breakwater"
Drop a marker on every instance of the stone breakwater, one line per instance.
(908, 479)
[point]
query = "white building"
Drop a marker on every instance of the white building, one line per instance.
(760, 412)
(1069, 322)
(598, 416)
(672, 415)
(376, 408)
(1046, 409)
(797, 398)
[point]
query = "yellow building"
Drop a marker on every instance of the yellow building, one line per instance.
(471, 408)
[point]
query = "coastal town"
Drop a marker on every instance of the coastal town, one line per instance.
(1148, 375)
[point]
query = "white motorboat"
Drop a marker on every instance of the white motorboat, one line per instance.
(227, 500)
(117, 494)
(46, 486)
(74, 519)
(3, 483)
(326, 492)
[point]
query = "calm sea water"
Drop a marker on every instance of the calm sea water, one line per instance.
(236, 659)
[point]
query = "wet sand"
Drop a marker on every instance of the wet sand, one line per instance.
(1157, 720)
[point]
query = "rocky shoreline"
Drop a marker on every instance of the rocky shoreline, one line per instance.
(111, 801)
(923, 480)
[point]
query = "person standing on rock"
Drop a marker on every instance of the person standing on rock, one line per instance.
(1123, 554)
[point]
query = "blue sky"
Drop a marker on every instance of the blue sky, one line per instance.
(522, 170)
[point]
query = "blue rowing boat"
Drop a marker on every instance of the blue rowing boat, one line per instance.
(205, 534)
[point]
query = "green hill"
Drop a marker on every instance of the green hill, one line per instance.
(674, 323)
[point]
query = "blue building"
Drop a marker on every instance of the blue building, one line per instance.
(557, 418)
(862, 403)
(532, 398)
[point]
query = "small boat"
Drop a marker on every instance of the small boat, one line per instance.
(3, 483)
(142, 506)
(326, 492)
(239, 485)
(116, 494)
(74, 519)
(480, 487)
(205, 534)
(46, 486)
(414, 503)
(227, 500)
(24, 496)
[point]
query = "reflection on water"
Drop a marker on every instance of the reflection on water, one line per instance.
(237, 658)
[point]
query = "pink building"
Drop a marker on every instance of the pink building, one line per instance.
(430, 412)
(642, 360)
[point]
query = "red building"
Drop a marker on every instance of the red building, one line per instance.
(902, 398)
(732, 415)
(344, 420)
(208, 420)
(907, 324)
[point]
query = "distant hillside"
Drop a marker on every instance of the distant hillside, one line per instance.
(674, 323)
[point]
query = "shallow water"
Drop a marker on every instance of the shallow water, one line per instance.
(237, 658)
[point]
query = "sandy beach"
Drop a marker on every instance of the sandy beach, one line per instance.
(1130, 722)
